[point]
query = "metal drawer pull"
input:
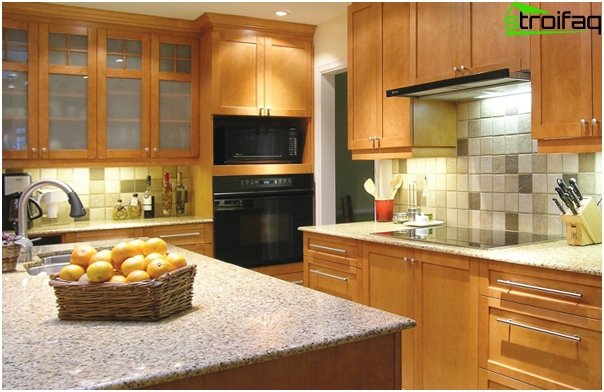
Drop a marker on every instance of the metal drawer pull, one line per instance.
(342, 278)
(196, 233)
(298, 282)
(328, 248)
(537, 329)
(538, 288)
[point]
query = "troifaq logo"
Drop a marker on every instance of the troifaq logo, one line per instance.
(523, 19)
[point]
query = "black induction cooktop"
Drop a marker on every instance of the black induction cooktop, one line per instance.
(467, 237)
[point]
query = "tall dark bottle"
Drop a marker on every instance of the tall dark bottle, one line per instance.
(148, 201)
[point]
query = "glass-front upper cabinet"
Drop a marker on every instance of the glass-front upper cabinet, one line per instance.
(174, 106)
(123, 91)
(19, 106)
(67, 93)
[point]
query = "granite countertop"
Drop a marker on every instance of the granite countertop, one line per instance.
(113, 225)
(239, 317)
(549, 254)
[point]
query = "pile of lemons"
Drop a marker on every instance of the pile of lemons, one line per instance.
(126, 262)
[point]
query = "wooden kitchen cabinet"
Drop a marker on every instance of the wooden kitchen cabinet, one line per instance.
(104, 93)
(378, 58)
(390, 284)
(331, 265)
(470, 39)
(67, 92)
(196, 237)
(98, 235)
(566, 82)
(261, 75)
(540, 327)
(19, 89)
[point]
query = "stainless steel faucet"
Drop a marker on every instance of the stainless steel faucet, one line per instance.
(77, 209)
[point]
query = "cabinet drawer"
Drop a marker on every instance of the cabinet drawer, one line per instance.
(98, 235)
(567, 292)
(340, 282)
(333, 249)
(529, 346)
(180, 234)
(492, 380)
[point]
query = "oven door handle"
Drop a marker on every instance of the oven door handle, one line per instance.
(256, 194)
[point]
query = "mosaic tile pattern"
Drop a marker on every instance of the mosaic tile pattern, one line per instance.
(498, 180)
(100, 188)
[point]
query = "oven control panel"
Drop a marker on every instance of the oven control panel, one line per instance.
(271, 182)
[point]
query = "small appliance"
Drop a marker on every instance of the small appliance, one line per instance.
(12, 186)
(248, 145)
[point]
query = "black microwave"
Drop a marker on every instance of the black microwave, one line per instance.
(237, 145)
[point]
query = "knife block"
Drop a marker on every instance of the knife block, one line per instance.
(585, 228)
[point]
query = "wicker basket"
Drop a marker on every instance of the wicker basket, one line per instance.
(10, 255)
(143, 301)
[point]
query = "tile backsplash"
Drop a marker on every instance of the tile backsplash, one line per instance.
(99, 188)
(498, 180)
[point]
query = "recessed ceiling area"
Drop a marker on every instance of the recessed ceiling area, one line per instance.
(313, 13)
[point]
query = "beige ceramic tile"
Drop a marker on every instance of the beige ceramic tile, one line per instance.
(486, 220)
(451, 217)
(463, 218)
(141, 173)
(126, 173)
(474, 110)
(97, 201)
(511, 202)
(112, 186)
(486, 201)
(498, 126)
(65, 174)
(451, 199)
(112, 173)
(81, 187)
(554, 163)
(499, 202)
(525, 222)
(48, 173)
(525, 203)
(498, 220)
(570, 163)
(97, 187)
(81, 174)
(498, 183)
(463, 110)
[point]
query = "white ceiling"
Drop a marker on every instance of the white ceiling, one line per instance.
(313, 13)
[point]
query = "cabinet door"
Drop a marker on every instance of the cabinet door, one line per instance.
(174, 97)
(124, 87)
(288, 77)
(364, 74)
(446, 309)
(561, 77)
(19, 90)
(596, 53)
(486, 47)
(391, 275)
(67, 92)
(438, 51)
(237, 73)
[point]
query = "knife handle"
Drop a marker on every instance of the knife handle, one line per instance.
(559, 205)
(573, 197)
(573, 184)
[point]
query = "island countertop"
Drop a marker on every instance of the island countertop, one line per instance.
(548, 254)
(239, 317)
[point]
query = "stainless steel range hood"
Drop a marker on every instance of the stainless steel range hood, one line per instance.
(465, 88)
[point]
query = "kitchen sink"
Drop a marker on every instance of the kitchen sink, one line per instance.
(50, 264)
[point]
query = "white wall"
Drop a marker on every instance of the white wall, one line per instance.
(330, 47)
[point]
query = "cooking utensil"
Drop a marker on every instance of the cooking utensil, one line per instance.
(575, 187)
(370, 187)
(395, 184)
(562, 210)
(568, 191)
(566, 200)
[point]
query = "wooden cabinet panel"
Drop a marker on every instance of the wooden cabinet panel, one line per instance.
(378, 59)
(330, 248)
(288, 77)
(560, 291)
(495, 381)
(390, 280)
(97, 235)
(437, 50)
(566, 86)
(446, 309)
(534, 349)
(292, 272)
(261, 76)
(189, 234)
(332, 279)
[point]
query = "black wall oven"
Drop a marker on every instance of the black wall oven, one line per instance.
(256, 218)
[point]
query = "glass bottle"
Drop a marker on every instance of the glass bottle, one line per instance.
(166, 195)
(148, 201)
(119, 211)
(182, 195)
(135, 207)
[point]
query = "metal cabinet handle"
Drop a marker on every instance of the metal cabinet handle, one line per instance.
(43, 149)
(462, 68)
(594, 121)
(341, 278)
(575, 338)
(539, 288)
(193, 234)
(455, 68)
(260, 109)
(146, 150)
(409, 259)
(583, 122)
(33, 149)
(327, 248)
(154, 149)
(268, 111)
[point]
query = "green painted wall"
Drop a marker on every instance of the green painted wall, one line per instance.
(350, 175)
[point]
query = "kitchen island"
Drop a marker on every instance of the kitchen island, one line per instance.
(245, 330)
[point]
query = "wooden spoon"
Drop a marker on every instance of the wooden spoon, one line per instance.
(395, 184)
